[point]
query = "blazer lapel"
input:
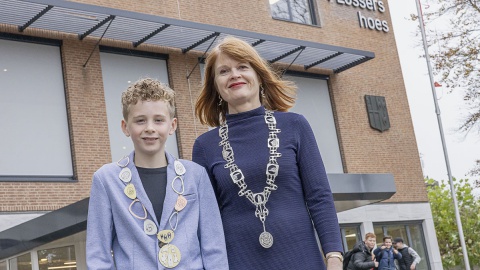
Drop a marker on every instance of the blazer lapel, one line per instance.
(170, 195)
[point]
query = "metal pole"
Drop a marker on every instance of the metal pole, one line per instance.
(442, 136)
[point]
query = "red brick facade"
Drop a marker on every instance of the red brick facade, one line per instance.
(363, 149)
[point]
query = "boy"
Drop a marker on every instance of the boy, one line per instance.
(410, 257)
(386, 255)
(362, 254)
(150, 210)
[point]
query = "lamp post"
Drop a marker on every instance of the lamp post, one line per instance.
(442, 136)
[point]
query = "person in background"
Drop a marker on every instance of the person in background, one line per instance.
(386, 255)
(150, 210)
(410, 257)
(362, 256)
(265, 166)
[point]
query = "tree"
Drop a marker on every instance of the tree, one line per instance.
(442, 207)
(453, 35)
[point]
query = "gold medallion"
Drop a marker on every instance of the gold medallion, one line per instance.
(130, 191)
(181, 203)
(165, 236)
(169, 256)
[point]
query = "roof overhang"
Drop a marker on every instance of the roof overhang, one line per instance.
(86, 20)
(44, 229)
(349, 191)
(355, 190)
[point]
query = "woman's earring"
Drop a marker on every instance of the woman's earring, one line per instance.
(220, 101)
(262, 91)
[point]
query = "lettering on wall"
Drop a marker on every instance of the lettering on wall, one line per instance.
(364, 20)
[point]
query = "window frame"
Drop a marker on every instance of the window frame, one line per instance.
(312, 8)
(343, 235)
(45, 177)
(139, 54)
(406, 224)
(334, 163)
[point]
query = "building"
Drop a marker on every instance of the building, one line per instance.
(64, 64)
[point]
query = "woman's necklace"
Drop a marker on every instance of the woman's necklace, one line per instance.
(258, 199)
(169, 255)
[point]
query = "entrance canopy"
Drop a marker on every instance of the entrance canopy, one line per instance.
(349, 191)
(87, 20)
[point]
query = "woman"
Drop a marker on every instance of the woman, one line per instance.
(386, 255)
(265, 166)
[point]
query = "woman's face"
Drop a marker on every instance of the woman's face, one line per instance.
(388, 243)
(370, 242)
(237, 83)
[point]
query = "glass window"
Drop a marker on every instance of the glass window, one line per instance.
(22, 262)
(300, 11)
(418, 243)
(412, 235)
(57, 258)
(313, 101)
(350, 236)
(3, 265)
(392, 230)
(118, 72)
(33, 110)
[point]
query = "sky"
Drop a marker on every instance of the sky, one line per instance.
(462, 149)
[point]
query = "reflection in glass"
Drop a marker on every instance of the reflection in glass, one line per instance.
(22, 262)
(379, 234)
(351, 235)
(57, 258)
(417, 244)
(3, 265)
(292, 10)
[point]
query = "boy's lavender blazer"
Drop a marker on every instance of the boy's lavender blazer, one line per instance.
(110, 226)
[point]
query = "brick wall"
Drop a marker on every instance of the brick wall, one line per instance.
(364, 150)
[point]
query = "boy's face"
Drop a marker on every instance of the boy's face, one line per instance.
(388, 243)
(149, 124)
(371, 242)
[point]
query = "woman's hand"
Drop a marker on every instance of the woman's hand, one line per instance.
(334, 264)
(334, 261)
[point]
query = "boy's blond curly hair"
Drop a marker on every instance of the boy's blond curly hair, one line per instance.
(147, 89)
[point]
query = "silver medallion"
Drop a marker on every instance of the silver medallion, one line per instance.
(125, 175)
(149, 227)
(266, 239)
(177, 190)
(179, 168)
